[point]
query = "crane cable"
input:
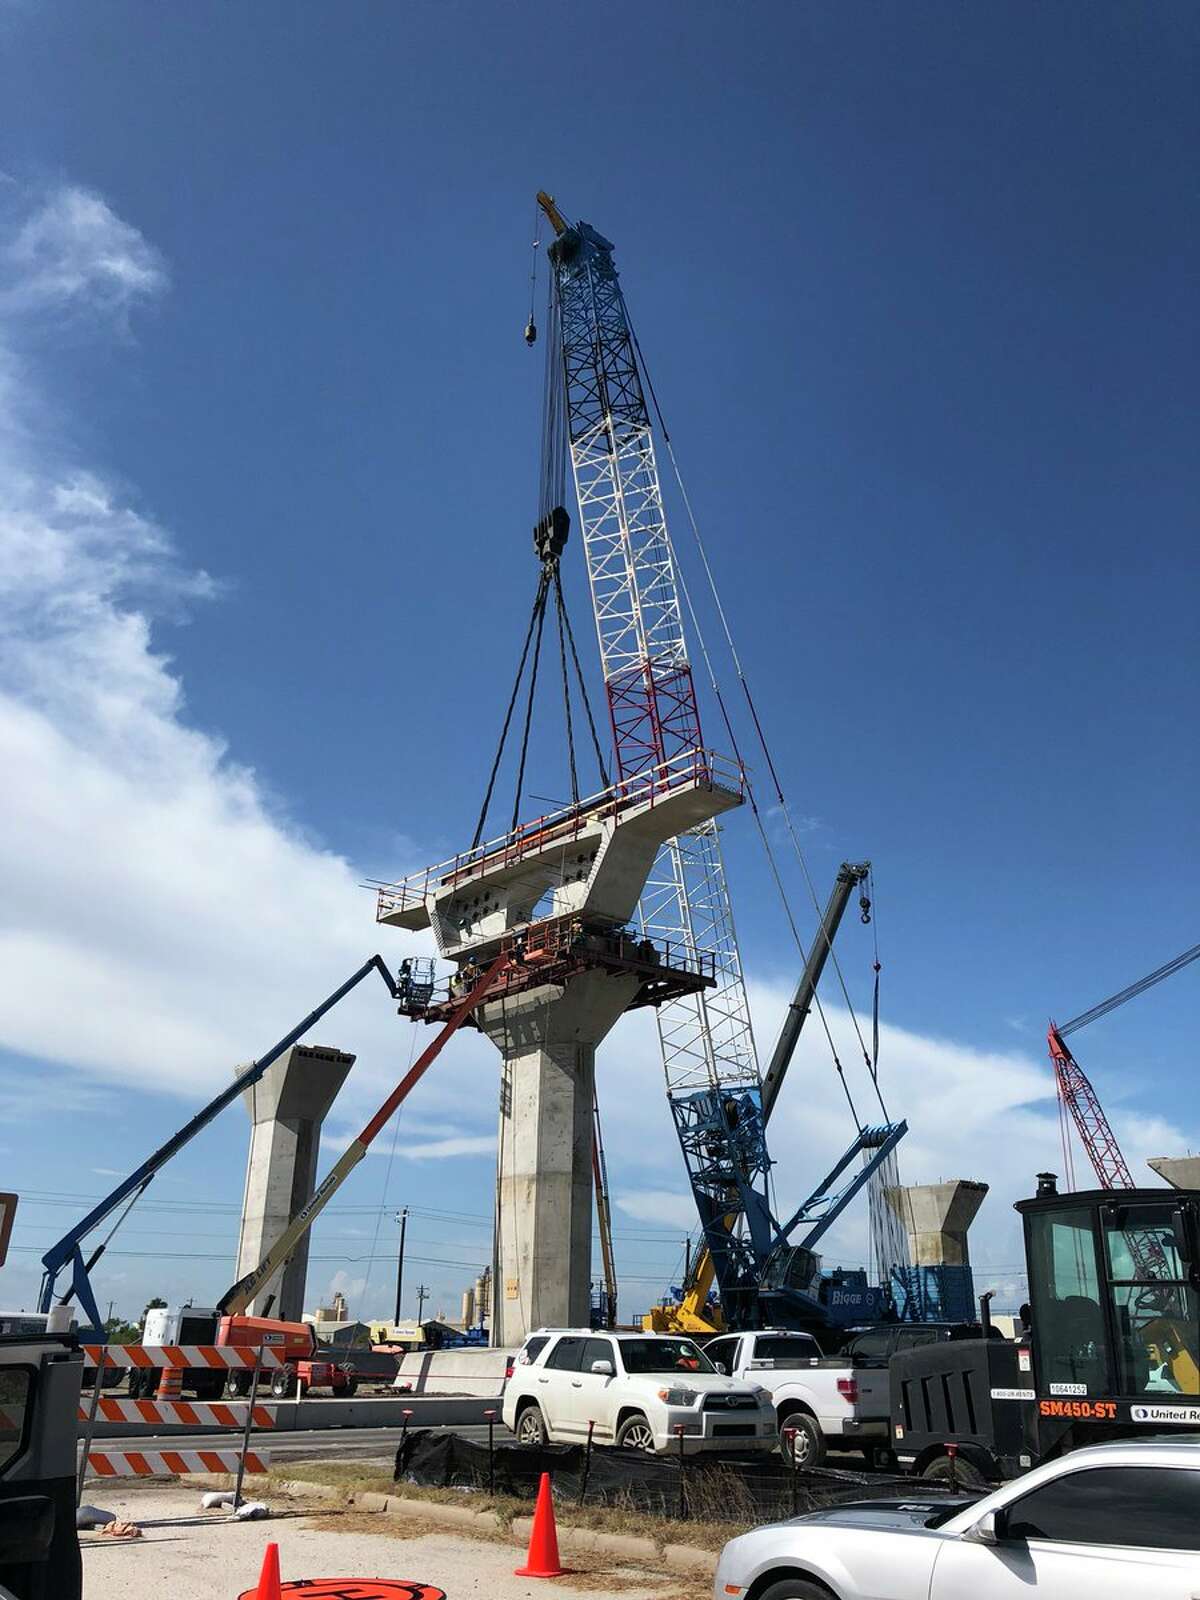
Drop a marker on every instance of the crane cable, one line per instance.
(770, 854)
(551, 493)
(1130, 993)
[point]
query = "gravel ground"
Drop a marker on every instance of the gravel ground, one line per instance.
(220, 1560)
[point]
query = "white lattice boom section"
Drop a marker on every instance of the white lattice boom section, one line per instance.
(707, 1040)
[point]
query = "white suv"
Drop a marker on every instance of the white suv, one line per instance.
(638, 1390)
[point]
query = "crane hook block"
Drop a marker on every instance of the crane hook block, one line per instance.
(550, 534)
(530, 332)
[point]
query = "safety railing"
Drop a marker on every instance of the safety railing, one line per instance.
(549, 944)
(689, 769)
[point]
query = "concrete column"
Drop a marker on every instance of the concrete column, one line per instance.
(1181, 1172)
(936, 1217)
(547, 1039)
(287, 1107)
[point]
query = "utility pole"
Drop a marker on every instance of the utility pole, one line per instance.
(422, 1296)
(403, 1221)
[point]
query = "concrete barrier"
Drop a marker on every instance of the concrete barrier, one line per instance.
(474, 1372)
(302, 1416)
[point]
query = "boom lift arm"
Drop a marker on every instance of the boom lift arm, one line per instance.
(236, 1299)
(68, 1252)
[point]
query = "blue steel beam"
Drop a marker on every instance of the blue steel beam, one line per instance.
(825, 1204)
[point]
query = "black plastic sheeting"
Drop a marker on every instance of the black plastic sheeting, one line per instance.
(740, 1489)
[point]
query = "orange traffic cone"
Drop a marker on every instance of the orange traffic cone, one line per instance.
(170, 1384)
(268, 1579)
(542, 1560)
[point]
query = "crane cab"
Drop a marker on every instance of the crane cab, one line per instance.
(1114, 1309)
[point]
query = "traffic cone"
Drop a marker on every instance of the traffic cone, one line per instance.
(268, 1578)
(170, 1384)
(542, 1560)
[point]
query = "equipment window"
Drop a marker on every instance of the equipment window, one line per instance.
(16, 1391)
(1068, 1314)
(1155, 1306)
(566, 1355)
(1155, 1508)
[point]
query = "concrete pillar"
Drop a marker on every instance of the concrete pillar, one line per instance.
(1181, 1172)
(936, 1217)
(547, 1039)
(287, 1107)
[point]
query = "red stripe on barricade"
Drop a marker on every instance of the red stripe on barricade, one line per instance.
(183, 1412)
(221, 1356)
(164, 1463)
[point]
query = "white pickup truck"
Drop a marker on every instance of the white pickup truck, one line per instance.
(826, 1400)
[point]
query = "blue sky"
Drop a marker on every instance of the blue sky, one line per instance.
(916, 285)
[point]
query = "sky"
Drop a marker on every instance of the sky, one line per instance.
(915, 284)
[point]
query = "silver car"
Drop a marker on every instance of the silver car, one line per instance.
(1111, 1522)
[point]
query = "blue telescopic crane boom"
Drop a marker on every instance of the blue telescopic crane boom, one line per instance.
(68, 1252)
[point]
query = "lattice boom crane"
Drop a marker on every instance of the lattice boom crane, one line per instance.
(713, 1082)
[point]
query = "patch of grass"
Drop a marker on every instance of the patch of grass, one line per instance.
(709, 1529)
(375, 1522)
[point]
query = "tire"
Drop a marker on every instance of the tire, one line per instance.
(962, 1474)
(136, 1380)
(283, 1384)
(237, 1385)
(350, 1389)
(531, 1428)
(806, 1448)
(635, 1433)
(796, 1589)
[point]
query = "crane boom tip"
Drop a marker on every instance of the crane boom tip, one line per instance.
(557, 221)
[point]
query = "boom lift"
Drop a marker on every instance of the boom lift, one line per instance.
(713, 1083)
(239, 1295)
(68, 1251)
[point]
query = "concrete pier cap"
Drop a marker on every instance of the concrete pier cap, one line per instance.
(1181, 1172)
(936, 1217)
(287, 1107)
(588, 865)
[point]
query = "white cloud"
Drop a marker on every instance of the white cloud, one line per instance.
(147, 874)
(657, 1205)
(74, 252)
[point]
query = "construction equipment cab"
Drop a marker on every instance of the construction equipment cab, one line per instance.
(1113, 1351)
(39, 1397)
